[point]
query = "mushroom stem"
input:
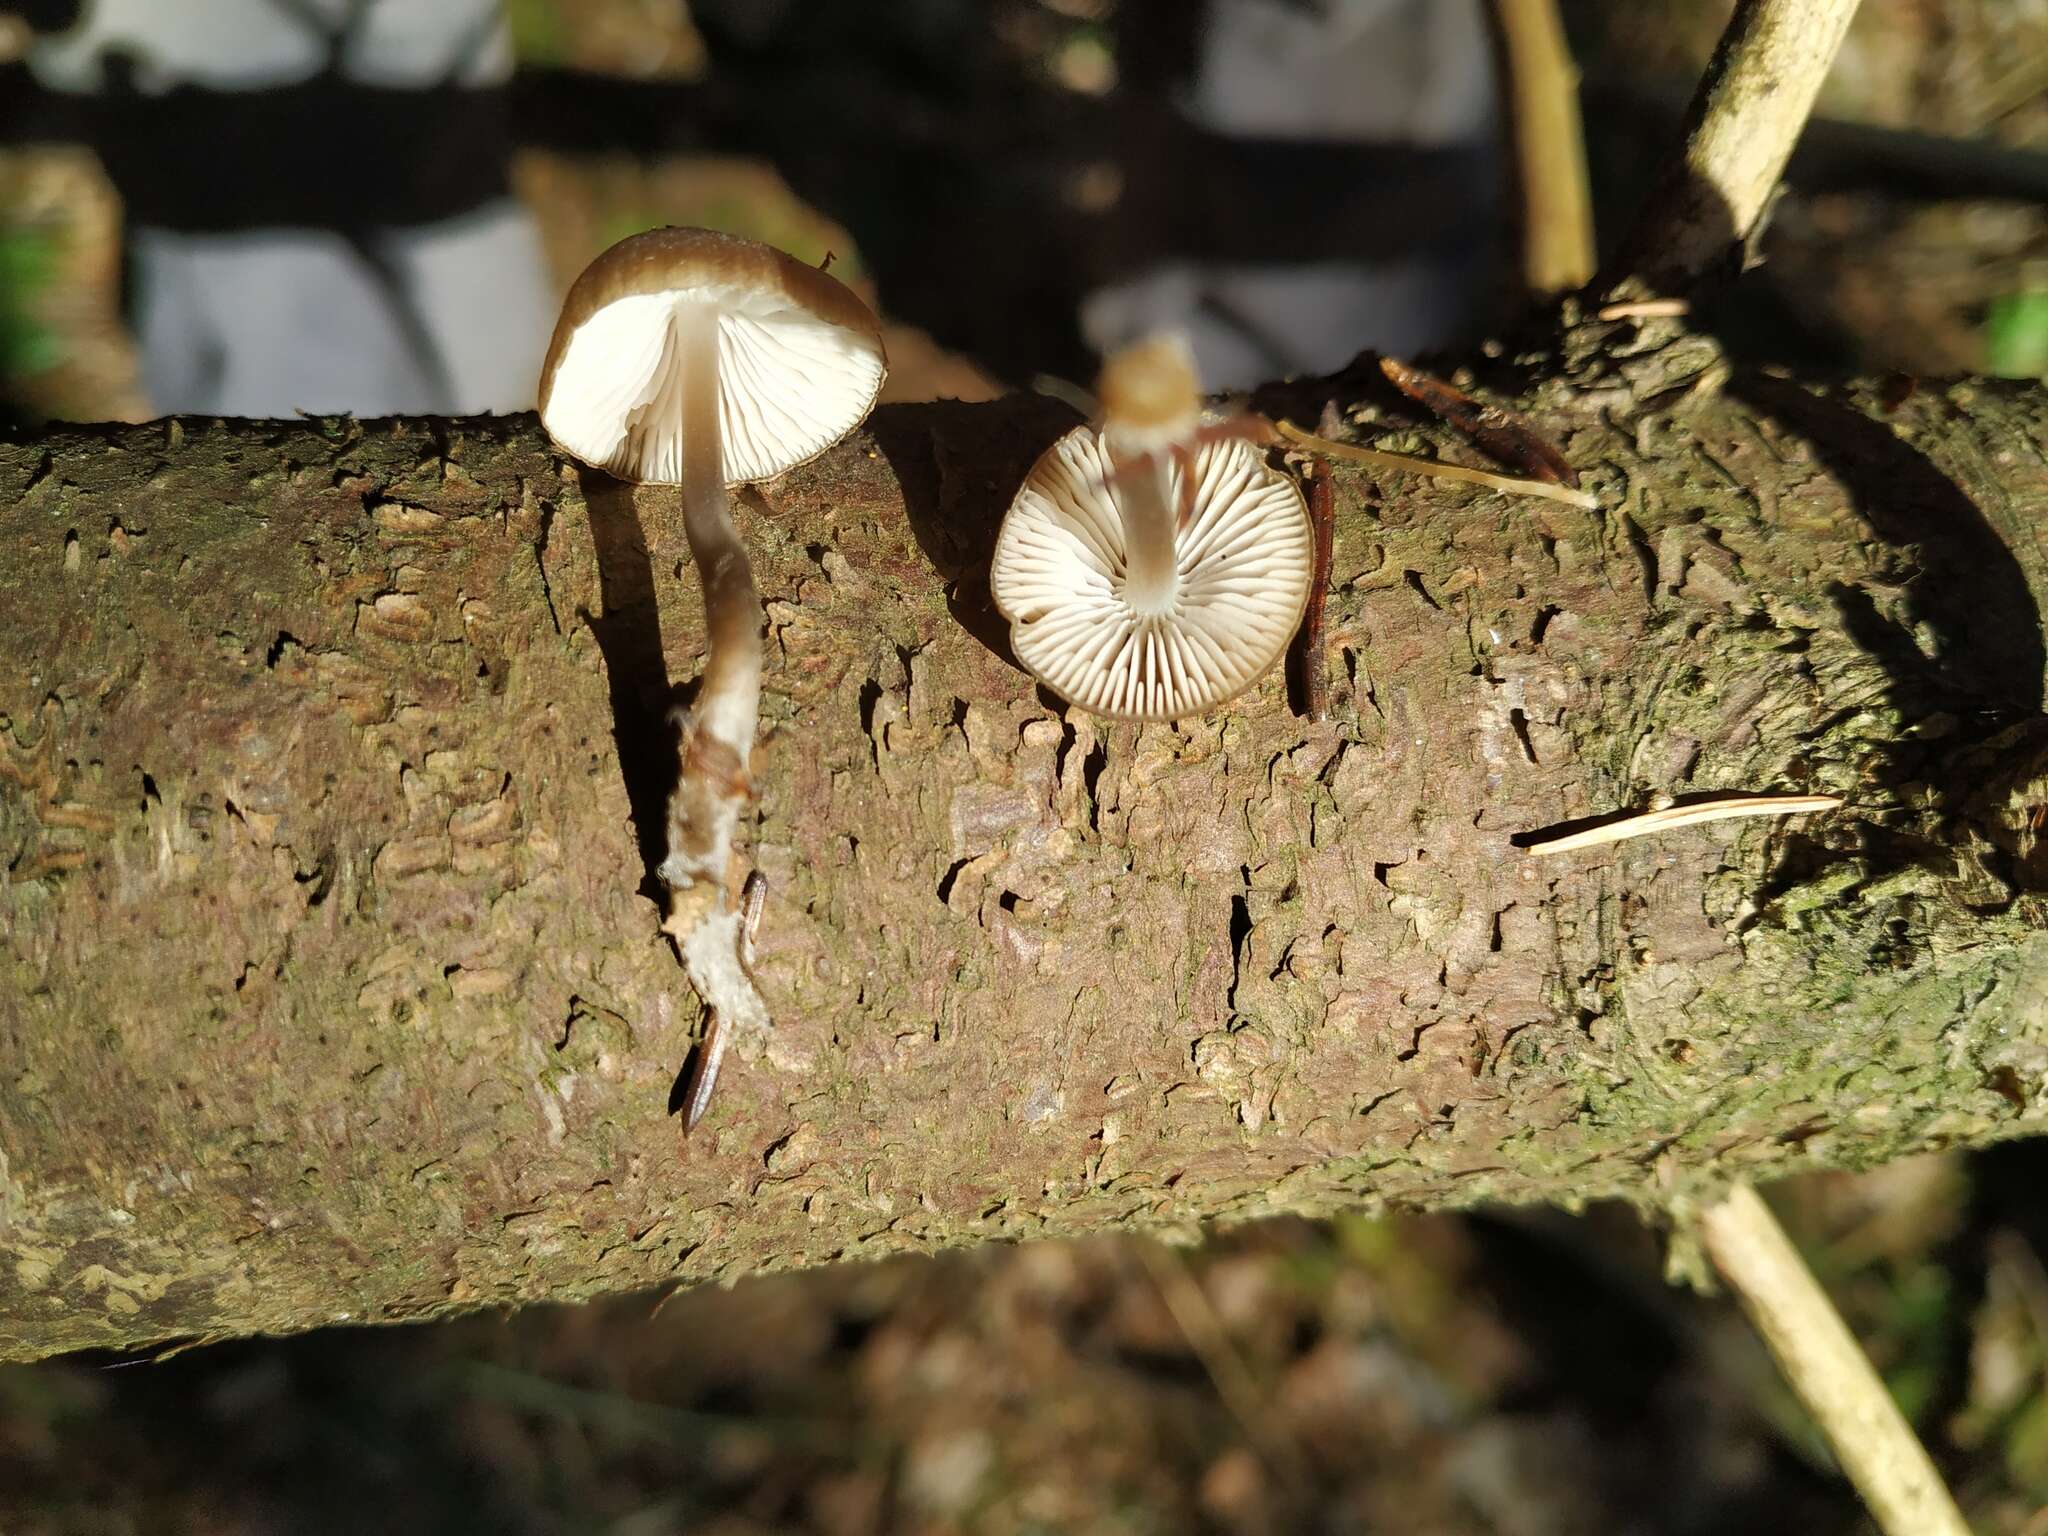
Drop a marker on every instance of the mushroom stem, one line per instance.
(712, 787)
(1151, 562)
(718, 736)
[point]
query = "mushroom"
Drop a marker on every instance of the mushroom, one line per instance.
(690, 358)
(1155, 568)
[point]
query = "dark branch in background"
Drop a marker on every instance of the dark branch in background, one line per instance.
(258, 146)
(1541, 86)
(48, 15)
(1837, 156)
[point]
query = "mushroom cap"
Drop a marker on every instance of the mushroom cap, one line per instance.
(1245, 561)
(800, 357)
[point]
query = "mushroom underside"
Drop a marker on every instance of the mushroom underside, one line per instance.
(1242, 564)
(790, 383)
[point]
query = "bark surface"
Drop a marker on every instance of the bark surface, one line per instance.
(330, 986)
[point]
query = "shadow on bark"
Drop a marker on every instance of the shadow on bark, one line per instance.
(628, 634)
(959, 466)
(1972, 595)
(1962, 586)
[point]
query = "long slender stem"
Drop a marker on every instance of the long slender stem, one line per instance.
(712, 788)
(729, 698)
(1306, 661)
(1820, 1357)
(713, 785)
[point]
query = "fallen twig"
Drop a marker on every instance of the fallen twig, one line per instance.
(1643, 823)
(1502, 434)
(1380, 459)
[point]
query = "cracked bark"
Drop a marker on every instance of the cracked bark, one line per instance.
(322, 997)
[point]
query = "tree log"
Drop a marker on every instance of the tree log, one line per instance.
(332, 986)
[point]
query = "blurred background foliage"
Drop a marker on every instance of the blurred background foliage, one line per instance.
(28, 263)
(981, 165)
(1505, 1374)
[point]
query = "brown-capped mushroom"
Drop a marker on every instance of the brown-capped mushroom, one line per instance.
(690, 358)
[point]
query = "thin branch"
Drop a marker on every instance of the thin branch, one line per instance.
(1747, 114)
(1549, 144)
(2019, 86)
(1212, 1345)
(1502, 435)
(1380, 459)
(1821, 1359)
(1643, 823)
(1835, 155)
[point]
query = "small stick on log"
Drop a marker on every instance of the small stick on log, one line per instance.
(1647, 309)
(1500, 434)
(1380, 459)
(1825, 1366)
(1642, 824)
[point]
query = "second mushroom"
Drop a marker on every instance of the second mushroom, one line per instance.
(1156, 568)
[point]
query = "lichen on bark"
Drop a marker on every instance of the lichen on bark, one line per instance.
(333, 987)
